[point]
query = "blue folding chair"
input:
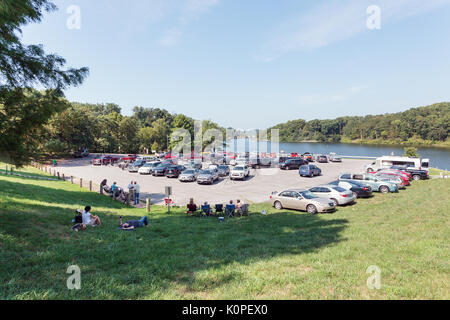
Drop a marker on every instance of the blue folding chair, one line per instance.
(230, 210)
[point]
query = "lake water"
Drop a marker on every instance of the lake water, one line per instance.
(439, 157)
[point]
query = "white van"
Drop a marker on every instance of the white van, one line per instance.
(386, 162)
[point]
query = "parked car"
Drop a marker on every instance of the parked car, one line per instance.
(259, 161)
(129, 158)
(308, 157)
(193, 165)
(304, 200)
(371, 180)
(188, 175)
(359, 190)
(104, 160)
(292, 163)
(207, 177)
(174, 171)
(78, 154)
(333, 157)
(385, 174)
(391, 178)
(309, 170)
(240, 172)
(338, 195)
(148, 167)
(160, 170)
(400, 173)
(134, 167)
(322, 158)
(223, 170)
(416, 174)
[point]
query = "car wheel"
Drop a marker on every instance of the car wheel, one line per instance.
(278, 205)
(384, 189)
(416, 177)
(336, 203)
(311, 209)
(287, 168)
(369, 170)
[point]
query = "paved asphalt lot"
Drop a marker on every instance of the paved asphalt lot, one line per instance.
(257, 188)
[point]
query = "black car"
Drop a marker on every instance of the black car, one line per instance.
(223, 170)
(293, 163)
(258, 162)
(174, 171)
(416, 174)
(360, 190)
(161, 169)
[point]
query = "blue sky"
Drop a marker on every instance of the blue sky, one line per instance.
(255, 63)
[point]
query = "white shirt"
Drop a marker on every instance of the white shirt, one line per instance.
(137, 188)
(86, 216)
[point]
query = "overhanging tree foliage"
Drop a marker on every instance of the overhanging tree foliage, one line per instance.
(23, 111)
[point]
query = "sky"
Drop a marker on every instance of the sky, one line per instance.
(254, 63)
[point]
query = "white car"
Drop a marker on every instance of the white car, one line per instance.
(240, 172)
(338, 195)
(148, 167)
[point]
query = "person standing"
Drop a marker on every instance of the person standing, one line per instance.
(137, 191)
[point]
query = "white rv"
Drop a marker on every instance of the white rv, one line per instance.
(385, 162)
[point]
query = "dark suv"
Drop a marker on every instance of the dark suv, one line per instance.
(293, 163)
(174, 171)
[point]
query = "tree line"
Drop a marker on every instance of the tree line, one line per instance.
(420, 126)
(102, 128)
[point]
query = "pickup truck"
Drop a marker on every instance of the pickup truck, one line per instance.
(129, 158)
(416, 174)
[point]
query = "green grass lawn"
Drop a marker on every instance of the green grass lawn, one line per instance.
(281, 255)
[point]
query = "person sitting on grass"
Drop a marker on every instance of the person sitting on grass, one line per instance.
(113, 188)
(191, 207)
(133, 224)
(104, 186)
(89, 219)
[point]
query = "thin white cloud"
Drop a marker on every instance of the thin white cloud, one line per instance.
(171, 37)
(338, 21)
(347, 94)
(192, 10)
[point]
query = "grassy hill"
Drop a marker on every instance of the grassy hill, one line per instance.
(282, 255)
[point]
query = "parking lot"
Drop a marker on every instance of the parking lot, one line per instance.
(255, 189)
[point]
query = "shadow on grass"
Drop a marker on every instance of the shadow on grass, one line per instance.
(175, 250)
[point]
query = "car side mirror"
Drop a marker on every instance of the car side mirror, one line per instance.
(300, 198)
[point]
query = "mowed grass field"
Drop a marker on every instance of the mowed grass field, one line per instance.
(282, 255)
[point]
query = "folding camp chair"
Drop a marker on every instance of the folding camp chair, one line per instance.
(219, 208)
(206, 210)
(230, 210)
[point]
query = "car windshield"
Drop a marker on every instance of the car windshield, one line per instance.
(205, 172)
(223, 167)
(339, 189)
(308, 195)
(189, 172)
(239, 168)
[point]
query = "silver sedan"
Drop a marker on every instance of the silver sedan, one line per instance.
(302, 200)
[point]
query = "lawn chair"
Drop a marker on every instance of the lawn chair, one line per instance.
(243, 210)
(219, 208)
(206, 210)
(230, 210)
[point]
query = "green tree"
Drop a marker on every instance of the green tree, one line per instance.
(411, 152)
(24, 112)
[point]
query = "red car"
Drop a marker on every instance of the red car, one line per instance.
(104, 160)
(129, 158)
(294, 154)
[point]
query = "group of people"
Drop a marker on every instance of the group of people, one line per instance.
(230, 209)
(119, 193)
(87, 219)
